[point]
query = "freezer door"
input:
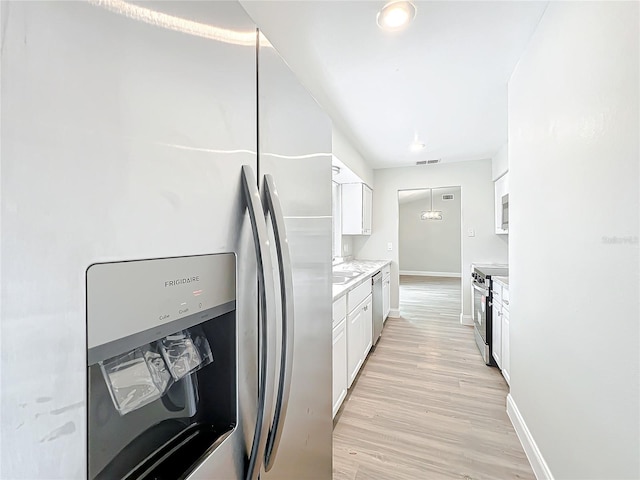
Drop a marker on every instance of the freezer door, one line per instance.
(124, 129)
(295, 139)
(295, 149)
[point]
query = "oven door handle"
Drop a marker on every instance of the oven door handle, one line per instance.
(480, 289)
(267, 327)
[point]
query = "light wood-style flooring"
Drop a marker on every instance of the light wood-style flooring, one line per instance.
(425, 406)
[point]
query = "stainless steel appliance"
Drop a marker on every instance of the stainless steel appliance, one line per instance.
(481, 298)
(161, 375)
(145, 144)
(505, 212)
(378, 315)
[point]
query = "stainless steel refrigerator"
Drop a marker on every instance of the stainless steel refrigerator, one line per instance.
(151, 150)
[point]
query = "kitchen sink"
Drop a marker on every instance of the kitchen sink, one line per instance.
(340, 278)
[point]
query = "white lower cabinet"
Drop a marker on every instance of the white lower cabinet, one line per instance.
(386, 298)
(506, 363)
(386, 292)
(359, 328)
(367, 327)
(496, 333)
(354, 341)
(352, 338)
(500, 329)
(339, 353)
(339, 365)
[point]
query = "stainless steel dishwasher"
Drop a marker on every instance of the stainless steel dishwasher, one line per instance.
(376, 287)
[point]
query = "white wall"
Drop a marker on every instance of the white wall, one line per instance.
(431, 246)
(500, 162)
(348, 155)
(574, 226)
(474, 178)
(347, 246)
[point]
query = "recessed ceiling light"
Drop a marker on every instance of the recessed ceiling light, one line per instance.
(396, 15)
(417, 146)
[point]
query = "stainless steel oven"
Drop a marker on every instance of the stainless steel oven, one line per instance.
(481, 299)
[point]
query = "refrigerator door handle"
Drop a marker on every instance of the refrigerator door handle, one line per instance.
(274, 209)
(266, 290)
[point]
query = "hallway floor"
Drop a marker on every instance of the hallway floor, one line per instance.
(424, 405)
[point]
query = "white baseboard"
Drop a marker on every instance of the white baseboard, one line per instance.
(538, 465)
(394, 313)
(466, 319)
(419, 273)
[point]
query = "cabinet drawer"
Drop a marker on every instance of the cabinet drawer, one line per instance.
(339, 309)
(505, 298)
(358, 294)
(386, 271)
(496, 288)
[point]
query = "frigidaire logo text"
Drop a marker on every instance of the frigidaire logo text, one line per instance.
(180, 281)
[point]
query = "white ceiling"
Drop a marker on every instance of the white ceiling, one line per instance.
(443, 80)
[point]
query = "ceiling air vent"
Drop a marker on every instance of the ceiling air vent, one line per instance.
(428, 162)
(447, 196)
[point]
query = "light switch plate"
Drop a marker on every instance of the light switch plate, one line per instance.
(389, 246)
(472, 232)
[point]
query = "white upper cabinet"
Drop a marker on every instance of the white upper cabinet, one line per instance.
(501, 189)
(357, 199)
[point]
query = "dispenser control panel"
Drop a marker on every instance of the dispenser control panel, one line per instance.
(142, 296)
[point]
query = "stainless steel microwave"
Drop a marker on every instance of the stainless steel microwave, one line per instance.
(505, 212)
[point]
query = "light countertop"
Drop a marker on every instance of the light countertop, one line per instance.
(502, 280)
(366, 268)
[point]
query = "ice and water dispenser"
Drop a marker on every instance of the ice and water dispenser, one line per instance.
(161, 364)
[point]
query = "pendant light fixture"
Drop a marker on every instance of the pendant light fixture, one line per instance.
(431, 214)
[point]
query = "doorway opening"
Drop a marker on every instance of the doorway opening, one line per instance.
(430, 250)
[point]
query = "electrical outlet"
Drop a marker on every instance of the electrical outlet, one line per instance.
(346, 248)
(389, 246)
